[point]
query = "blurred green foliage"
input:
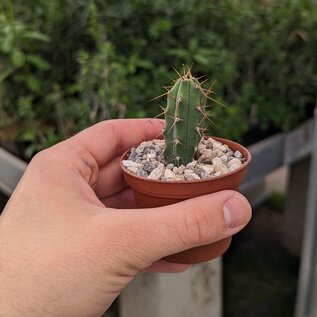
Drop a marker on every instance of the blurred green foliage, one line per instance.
(66, 64)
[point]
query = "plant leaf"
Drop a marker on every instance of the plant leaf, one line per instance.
(38, 62)
(18, 58)
(36, 36)
(6, 73)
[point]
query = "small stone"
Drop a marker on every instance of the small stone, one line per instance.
(201, 148)
(132, 156)
(221, 168)
(217, 174)
(234, 161)
(129, 163)
(149, 166)
(219, 153)
(188, 171)
(238, 154)
(233, 167)
(160, 158)
(157, 148)
(204, 175)
(229, 154)
(181, 169)
(139, 149)
(192, 176)
(208, 169)
(217, 161)
(179, 177)
(151, 156)
(134, 170)
(169, 174)
(170, 166)
(191, 165)
(210, 141)
(224, 158)
(219, 146)
(159, 142)
(158, 172)
(142, 173)
(198, 170)
(175, 170)
(207, 156)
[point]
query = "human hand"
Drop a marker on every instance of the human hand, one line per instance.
(66, 246)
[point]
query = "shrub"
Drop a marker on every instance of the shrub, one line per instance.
(67, 64)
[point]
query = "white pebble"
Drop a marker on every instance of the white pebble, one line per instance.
(132, 169)
(233, 167)
(151, 156)
(157, 172)
(217, 174)
(219, 146)
(224, 158)
(179, 178)
(181, 169)
(192, 176)
(237, 154)
(217, 161)
(208, 169)
(234, 161)
(191, 165)
(128, 163)
(207, 156)
(211, 140)
(169, 174)
(159, 142)
(204, 175)
(201, 148)
(221, 168)
(188, 171)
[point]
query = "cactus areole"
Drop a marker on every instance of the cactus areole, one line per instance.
(185, 115)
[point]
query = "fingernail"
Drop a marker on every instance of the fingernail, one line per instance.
(236, 209)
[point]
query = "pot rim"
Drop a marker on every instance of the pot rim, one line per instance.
(243, 166)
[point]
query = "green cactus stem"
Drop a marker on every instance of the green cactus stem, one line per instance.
(184, 118)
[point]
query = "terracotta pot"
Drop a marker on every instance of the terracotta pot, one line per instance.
(154, 193)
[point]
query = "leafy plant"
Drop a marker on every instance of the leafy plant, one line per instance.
(67, 64)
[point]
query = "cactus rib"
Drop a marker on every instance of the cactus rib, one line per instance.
(184, 116)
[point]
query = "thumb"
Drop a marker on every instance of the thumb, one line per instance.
(199, 221)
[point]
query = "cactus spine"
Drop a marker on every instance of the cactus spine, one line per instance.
(184, 117)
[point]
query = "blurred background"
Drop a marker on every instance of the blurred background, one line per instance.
(65, 65)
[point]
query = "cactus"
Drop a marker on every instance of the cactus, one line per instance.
(185, 115)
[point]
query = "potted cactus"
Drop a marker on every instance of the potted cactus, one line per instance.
(187, 163)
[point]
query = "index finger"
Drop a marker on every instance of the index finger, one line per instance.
(111, 138)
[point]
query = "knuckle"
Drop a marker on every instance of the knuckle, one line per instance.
(87, 165)
(196, 227)
(40, 159)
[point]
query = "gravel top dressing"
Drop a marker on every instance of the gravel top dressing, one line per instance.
(213, 158)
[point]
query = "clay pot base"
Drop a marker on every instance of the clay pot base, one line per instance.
(150, 193)
(200, 254)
